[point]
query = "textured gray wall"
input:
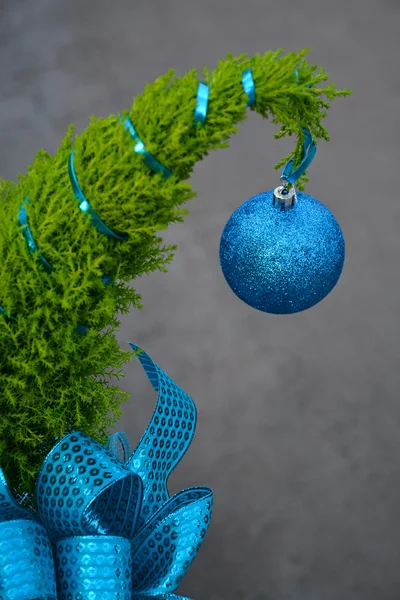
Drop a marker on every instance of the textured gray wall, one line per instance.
(299, 416)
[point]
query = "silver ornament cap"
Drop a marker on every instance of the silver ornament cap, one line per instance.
(285, 197)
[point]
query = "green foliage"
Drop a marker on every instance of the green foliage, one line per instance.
(53, 379)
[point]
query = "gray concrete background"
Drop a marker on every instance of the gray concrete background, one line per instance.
(298, 431)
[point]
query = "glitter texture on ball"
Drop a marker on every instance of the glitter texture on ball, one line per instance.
(282, 261)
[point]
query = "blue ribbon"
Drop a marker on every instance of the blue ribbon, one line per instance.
(139, 148)
(104, 524)
(249, 87)
(26, 232)
(85, 206)
(95, 219)
(308, 154)
(23, 222)
(309, 151)
(5, 314)
(82, 329)
(200, 113)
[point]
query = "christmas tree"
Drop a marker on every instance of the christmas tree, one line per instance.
(65, 274)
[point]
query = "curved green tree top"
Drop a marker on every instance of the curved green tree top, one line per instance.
(62, 288)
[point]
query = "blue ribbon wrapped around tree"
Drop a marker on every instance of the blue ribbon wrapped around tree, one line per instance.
(105, 527)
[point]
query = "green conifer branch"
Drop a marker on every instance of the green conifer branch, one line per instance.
(53, 379)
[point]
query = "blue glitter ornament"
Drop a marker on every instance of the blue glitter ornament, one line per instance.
(282, 252)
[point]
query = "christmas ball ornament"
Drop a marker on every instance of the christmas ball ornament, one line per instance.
(282, 252)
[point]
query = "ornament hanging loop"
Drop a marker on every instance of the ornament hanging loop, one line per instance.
(285, 196)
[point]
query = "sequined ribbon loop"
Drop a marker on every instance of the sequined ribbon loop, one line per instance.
(200, 112)
(97, 485)
(27, 567)
(93, 568)
(309, 151)
(84, 205)
(26, 232)
(175, 418)
(178, 524)
(139, 148)
(249, 87)
(119, 445)
(105, 524)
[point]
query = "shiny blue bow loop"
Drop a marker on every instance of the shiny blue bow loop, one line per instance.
(171, 530)
(27, 567)
(115, 551)
(166, 440)
(83, 489)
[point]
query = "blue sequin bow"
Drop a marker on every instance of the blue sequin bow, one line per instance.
(104, 526)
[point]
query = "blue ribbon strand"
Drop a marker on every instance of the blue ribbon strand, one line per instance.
(85, 206)
(309, 151)
(26, 232)
(308, 154)
(82, 329)
(249, 87)
(203, 92)
(139, 148)
(104, 524)
(5, 314)
(23, 221)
